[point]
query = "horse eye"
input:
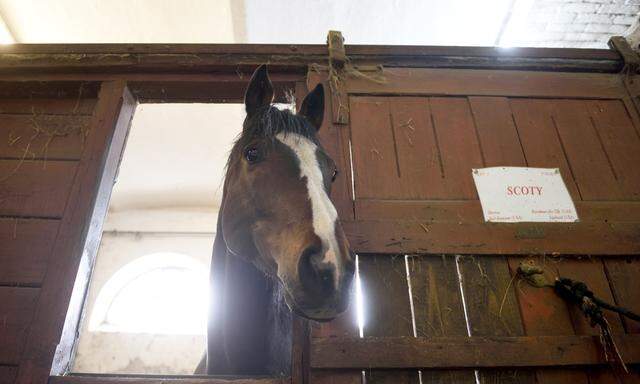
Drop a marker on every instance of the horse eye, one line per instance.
(335, 174)
(251, 154)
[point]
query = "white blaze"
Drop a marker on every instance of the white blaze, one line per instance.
(324, 213)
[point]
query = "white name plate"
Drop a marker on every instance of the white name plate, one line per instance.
(517, 194)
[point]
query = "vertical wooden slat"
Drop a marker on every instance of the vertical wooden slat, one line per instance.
(624, 279)
(542, 147)
(544, 313)
(497, 132)
(438, 309)
(620, 141)
(387, 309)
(458, 143)
(419, 158)
(492, 308)
(374, 156)
(588, 160)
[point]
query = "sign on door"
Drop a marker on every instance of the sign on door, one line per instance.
(517, 194)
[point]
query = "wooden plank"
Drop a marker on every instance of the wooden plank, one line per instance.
(540, 141)
(154, 80)
(395, 149)
(544, 313)
(438, 309)
(374, 155)
(590, 164)
(622, 274)
(387, 308)
(35, 188)
(7, 374)
(47, 89)
(418, 155)
(410, 237)
(183, 91)
(151, 379)
(497, 132)
(465, 352)
(480, 82)
(119, 58)
(26, 244)
(470, 211)
(396, 50)
(492, 307)
(69, 106)
(620, 141)
(42, 136)
(78, 237)
(16, 309)
(458, 143)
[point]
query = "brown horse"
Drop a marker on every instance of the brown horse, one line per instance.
(279, 245)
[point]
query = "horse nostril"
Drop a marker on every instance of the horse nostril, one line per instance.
(316, 276)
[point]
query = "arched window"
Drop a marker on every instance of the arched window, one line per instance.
(160, 293)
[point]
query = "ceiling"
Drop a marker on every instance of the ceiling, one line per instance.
(434, 22)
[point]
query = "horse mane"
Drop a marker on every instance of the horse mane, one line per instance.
(265, 124)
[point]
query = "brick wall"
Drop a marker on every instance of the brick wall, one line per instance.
(571, 23)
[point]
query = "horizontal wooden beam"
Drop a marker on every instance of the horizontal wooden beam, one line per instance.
(154, 379)
(470, 211)
(485, 82)
(415, 236)
(224, 91)
(465, 352)
(192, 58)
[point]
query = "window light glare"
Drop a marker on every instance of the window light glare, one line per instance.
(359, 301)
(161, 293)
(5, 36)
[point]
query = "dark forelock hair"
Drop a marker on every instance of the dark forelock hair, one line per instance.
(266, 123)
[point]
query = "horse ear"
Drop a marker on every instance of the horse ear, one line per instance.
(259, 92)
(312, 106)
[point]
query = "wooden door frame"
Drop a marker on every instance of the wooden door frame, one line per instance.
(66, 283)
(176, 73)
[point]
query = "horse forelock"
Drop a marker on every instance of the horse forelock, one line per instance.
(265, 124)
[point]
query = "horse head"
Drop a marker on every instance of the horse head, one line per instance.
(276, 212)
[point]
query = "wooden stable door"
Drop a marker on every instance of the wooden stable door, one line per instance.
(440, 301)
(413, 141)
